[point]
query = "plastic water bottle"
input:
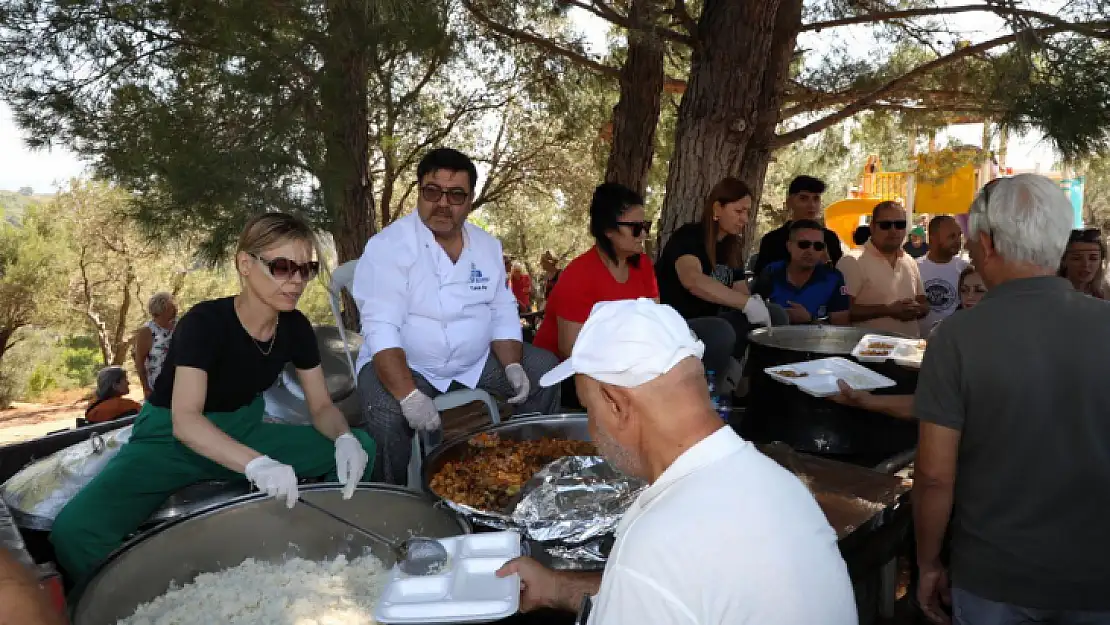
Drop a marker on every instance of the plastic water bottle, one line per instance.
(720, 404)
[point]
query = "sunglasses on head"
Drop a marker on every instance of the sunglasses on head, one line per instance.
(897, 224)
(1090, 235)
(637, 227)
(804, 244)
(283, 269)
(455, 197)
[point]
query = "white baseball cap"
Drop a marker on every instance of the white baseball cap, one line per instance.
(627, 343)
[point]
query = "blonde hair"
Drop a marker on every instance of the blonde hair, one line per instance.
(158, 303)
(266, 230)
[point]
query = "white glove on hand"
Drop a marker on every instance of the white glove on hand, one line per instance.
(519, 380)
(420, 411)
(273, 478)
(350, 462)
(756, 311)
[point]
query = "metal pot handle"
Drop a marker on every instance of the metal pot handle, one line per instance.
(98, 443)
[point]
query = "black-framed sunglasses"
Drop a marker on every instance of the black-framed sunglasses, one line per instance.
(284, 269)
(1089, 235)
(897, 224)
(455, 196)
(818, 246)
(637, 227)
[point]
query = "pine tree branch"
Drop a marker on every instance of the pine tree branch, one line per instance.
(670, 84)
(1090, 29)
(864, 102)
(611, 15)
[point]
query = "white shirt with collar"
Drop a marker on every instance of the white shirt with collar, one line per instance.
(725, 536)
(444, 314)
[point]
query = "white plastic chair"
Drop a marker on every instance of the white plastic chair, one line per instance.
(342, 278)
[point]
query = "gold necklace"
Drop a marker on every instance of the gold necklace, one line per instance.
(255, 341)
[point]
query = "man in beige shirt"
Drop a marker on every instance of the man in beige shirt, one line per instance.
(883, 281)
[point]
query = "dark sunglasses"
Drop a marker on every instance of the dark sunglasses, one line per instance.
(283, 269)
(897, 224)
(637, 227)
(455, 197)
(805, 245)
(1090, 235)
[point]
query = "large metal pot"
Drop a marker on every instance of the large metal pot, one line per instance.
(571, 426)
(256, 527)
(285, 399)
(778, 412)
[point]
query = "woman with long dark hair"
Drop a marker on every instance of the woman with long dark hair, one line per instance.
(1084, 262)
(701, 273)
(614, 268)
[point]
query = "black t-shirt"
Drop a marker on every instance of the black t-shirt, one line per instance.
(772, 247)
(690, 240)
(210, 337)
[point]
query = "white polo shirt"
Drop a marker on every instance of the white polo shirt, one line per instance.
(725, 535)
(444, 314)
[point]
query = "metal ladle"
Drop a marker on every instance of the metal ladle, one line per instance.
(417, 555)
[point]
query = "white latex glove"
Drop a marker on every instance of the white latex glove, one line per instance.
(420, 411)
(350, 462)
(519, 381)
(756, 311)
(273, 478)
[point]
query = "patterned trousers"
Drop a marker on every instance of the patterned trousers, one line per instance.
(384, 421)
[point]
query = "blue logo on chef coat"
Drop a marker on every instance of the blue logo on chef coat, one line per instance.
(478, 282)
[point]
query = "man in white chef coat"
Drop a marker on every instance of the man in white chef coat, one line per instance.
(436, 312)
(722, 534)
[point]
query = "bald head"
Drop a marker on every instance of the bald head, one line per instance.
(641, 430)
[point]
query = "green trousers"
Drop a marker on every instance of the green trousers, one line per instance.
(153, 465)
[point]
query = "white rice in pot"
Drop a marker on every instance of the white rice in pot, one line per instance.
(296, 592)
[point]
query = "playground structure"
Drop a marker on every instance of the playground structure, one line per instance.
(942, 183)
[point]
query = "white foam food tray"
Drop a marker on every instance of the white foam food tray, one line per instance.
(876, 348)
(467, 591)
(909, 353)
(818, 377)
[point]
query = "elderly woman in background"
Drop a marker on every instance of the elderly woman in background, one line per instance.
(1084, 262)
(111, 403)
(153, 339)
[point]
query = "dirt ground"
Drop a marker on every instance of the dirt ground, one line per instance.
(24, 421)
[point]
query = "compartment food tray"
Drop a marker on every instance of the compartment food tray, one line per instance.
(467, 591)
(909, 353)
(820, 376)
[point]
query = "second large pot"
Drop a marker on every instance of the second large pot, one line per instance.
(777, 412)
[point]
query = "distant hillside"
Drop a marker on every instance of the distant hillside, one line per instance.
(14, 203)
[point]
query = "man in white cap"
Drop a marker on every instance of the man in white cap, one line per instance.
(723, 534)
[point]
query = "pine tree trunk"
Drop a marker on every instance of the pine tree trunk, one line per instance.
(636, 114)
(727, 118)
(345, 181)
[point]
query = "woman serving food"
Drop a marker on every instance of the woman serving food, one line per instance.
(204, 418)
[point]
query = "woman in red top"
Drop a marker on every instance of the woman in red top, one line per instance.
(615, 268)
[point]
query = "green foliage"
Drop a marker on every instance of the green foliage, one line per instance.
(13, 204)
(29, 269)
(1096, 195)
(211, 111)
(1062, 88)
(44, 361)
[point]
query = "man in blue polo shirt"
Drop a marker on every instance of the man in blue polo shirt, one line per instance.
(805, 286)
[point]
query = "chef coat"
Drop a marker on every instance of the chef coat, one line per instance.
(758, 549)
(444, 314)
